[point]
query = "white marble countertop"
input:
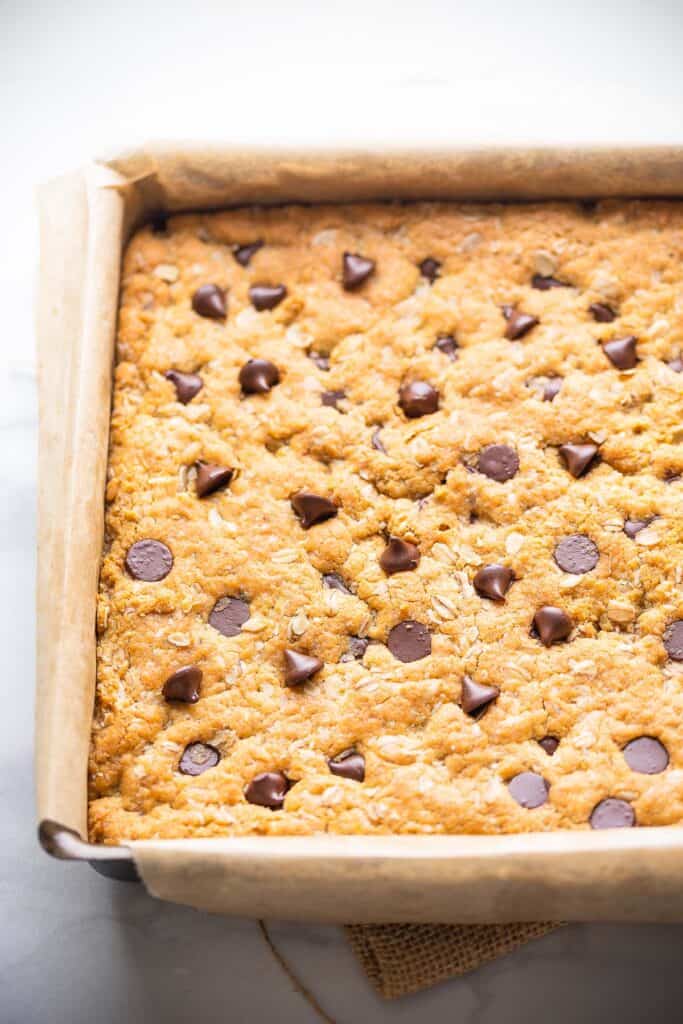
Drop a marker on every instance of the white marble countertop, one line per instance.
(85, 78)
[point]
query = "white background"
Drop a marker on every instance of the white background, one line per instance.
(79, 80)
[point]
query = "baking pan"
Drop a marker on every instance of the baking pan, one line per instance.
(86, 219)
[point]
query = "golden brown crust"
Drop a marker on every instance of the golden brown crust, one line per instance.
(429, 766)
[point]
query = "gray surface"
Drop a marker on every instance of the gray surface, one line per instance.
(76, 948)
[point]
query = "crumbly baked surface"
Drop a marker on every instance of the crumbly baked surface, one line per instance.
(577, 639)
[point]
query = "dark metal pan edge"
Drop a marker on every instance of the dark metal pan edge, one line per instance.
(66, 844)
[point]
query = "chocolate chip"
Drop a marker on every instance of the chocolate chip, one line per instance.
(322, 362)
(549, 744)
(493, 581)
(578, 458)
(430, 268)
(634, 526)
(300, 667)
(676, 364)
(399, 556)
(409, 641)
(333, 581)
(475, 697)
(621, 352)
(376, 442)
(198, 758)
(529, 789)
(448, 345)
(673, 639)
(350, 764)
(183, 685)
(149, 560)
(356, 649)
(268, 789)
(332, 397)
(244, 253)
(228, 615)
(577, 554)
(498, 461)
(355, 270)
(552, 625)
(612, 813)
(418, 398)
(211, 477)
(187, 385)
(646, 755)
(518, 324)
(312, 508)
(265, 296)
(544, 282)
(552, 388)
(158, 225)
(603, 313)
(210, 301)
(258, 376)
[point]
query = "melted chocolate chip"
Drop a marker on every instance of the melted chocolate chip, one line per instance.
(621, 352)
(321, 361)
(646, 755)
(258, 376)
(448, 345)
(409, 641)
(612, 813)
(198, 758)
(149, 560)
(187, 385)
(498, 462)
(673, 640)
(350, 764)
(493, 581)
(475, 698)
(333, 581)
(603, 313)
(676, 364)
(356, 649)
(355, 270)
(210, 301)
(552, 388)
(399, 556)
(552, 625)
(418, 398)
(430, 268)
(529, 789)
(312, 508)
(265, 296)
(183, 685)
(518, 323)
(634, 526)
(211, 477)
(578, 458)
(577, 554)
(243, 253)
(376, 442)
(228, 615)
(332, 397)
(549, 744)
(544, 282)
(268, 789)
(300, 667)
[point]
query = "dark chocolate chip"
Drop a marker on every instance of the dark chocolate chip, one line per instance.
(376, 442)
(265, 296)
(350, 764)
(211, 477)
(475, 698)
(258, 376)
(603, 313)
(300, 667)
(529, 789)
(409, 641)
(549, 744)
(332, 397)
(612, 813)
(552, 625)
(418, 398)
(244, 253)
(673, 639)
(399, 556)
(646, 755)
(158, 225)
(149, 560)
(321, 361)
(676, 364)
(493, 581)
(198, 758)
(498, 461)
(187, 385)
(578, 458)
(333, 581)
(430, 268)
(268, 789)
(183, 685)
(634, 526)
(577, 554)
(518, 324)
(552, 388)
(228, 615)
(356, 649)
(621, 352)
(355, 270)
(312, 508)
(210, 301)
(544, 282)
(448, 345)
